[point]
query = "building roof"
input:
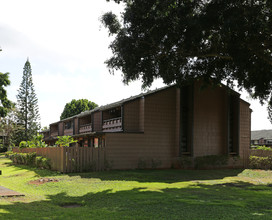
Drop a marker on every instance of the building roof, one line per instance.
(119, 103)
(114, 104)
(265, 134)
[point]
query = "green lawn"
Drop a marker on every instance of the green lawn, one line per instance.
(137, 194)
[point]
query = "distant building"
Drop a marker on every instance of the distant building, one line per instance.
(261, 137)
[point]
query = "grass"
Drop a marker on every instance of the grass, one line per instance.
(137, 194)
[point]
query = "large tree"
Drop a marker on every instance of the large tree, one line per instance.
(77, 106)
(9, 127)
(27, 103)
(181, 40)
(5, 104)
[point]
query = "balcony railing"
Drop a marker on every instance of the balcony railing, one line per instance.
(112, 125)
(69, 131)
(54, 134)
(85, 128)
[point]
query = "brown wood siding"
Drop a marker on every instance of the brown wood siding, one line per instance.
(97, 123)
(61, 128)
(157, 143)
(141, 114)
(132, 116)
(76, 126)
(245, 128)
(210, 129)
(176, 151)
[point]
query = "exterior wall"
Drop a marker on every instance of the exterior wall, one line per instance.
(141, 114)
(210, 121)
(157, 143)
(245, 129)
(76, 128)
(176, 150)
(61, 129)
(132, 116)
(97, 121)
(54, 130)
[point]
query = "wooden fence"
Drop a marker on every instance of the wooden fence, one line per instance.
(72, 159)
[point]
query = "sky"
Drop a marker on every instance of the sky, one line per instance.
(67, 46)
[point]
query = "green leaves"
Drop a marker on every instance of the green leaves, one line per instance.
(65, 141)
(76, 107)
(27, 102)
(180, 41)
(5, 104)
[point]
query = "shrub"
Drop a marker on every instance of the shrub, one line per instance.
(43, 162)
(185, 162)
(142, 164)
(155, 163)
(256, 162)
(8, 153)
(211, 161)
(23, 144)
(29, 159)
(262, 148)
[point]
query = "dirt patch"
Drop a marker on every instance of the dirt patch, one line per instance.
(70, 205)
(43, 180)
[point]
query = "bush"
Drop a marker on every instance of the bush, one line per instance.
(42, 162)
(29, 159)
(256, 162)
(23, 144)
(262, 148)
(185, 162)
(210, 161)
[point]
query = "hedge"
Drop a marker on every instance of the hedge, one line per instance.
(29, 159)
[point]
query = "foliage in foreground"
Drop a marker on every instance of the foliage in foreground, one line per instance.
(145, 194)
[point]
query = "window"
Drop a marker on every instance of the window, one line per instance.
(96, 141)
(233, 124)
(68, 125)
(186, 119)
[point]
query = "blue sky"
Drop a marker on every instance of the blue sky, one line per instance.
(67, 46)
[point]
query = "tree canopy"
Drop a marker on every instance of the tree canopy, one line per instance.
(181, 40)
(27, 103)
(76, 107)
(5, 104)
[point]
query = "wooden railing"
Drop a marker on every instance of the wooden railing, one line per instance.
(85, 128)
(69, 131)
(112, 125)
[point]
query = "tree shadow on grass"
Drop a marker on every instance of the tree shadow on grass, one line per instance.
(165, 176)
(195, 202)
(39, 172)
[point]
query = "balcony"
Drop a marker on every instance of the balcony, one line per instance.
(112, 125)
(85, 128)
(69, 131)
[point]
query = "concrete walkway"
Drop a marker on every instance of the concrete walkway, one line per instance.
(8, 192)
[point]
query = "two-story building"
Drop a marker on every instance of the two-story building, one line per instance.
(163, 125)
